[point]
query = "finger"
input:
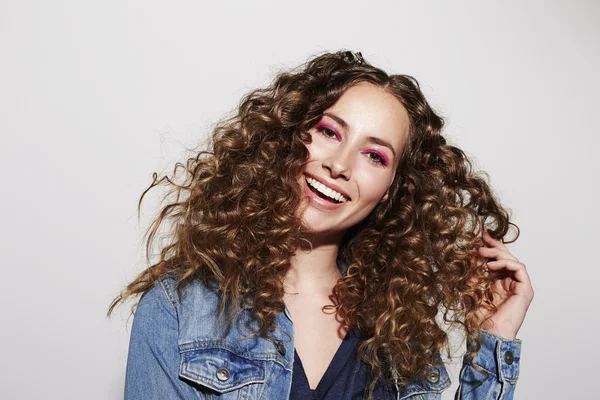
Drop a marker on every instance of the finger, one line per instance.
(493, 242)
(507, 283)
(513, 287)
(494, 252)
(519, 270)
(500, 290)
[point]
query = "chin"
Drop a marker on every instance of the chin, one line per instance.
(317, 226)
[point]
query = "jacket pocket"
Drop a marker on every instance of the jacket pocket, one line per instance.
(223, 372)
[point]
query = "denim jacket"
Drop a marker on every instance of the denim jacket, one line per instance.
(178, 350)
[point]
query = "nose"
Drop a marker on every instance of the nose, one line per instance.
(339, 164)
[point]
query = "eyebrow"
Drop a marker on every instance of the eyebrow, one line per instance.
(372, 139)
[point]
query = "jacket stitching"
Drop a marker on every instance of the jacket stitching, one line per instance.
(255, 356)
(167, 289)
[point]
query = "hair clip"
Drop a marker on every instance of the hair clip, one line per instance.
(355, 57)
(359, 58)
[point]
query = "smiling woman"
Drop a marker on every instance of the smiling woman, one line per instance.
(313, 247)
(353, 152)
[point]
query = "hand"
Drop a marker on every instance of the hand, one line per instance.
(512, 294)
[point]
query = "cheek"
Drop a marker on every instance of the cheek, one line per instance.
(374, 186)
(316, 146)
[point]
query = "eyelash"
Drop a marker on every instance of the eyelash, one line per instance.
(380, 160)
(324, 129)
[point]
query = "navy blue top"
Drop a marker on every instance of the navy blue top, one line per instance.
(346, 377)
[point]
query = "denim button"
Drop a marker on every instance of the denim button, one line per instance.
(433, 377)
(280, 348)
(508, 357)
(223, 374)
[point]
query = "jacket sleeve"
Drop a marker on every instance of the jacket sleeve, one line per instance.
(500, 360)
(153, 358)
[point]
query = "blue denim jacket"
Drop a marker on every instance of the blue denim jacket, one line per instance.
(178, 350)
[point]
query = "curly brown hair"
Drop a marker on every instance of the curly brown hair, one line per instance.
(233, 221)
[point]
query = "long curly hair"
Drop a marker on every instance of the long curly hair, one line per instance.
(414, 258)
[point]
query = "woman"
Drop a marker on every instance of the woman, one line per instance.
(313, 248)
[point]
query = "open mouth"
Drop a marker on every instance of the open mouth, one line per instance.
(324, 192)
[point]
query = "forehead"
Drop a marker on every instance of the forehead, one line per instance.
(370, 110)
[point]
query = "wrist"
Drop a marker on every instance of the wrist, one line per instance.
(504, 335)
(499, 331)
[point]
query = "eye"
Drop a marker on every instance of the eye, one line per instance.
(376, 158)
(327, 132)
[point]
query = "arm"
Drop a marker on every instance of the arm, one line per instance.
(500, 359)
(153, 360)
(500, 352)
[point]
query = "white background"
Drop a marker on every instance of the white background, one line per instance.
(96, 96)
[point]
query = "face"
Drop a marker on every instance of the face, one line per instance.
(354, 154)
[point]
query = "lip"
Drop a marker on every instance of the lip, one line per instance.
(330, 185)
(318, 202)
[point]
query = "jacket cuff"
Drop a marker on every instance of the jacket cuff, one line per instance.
(497, 355)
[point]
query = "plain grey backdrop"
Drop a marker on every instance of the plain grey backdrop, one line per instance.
(96, 96)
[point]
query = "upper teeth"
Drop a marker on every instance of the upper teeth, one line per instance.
(327, 191)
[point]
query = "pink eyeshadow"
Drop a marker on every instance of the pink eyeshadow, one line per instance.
(383, 156)
(325, 125)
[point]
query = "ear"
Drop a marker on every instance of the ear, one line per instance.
(385, 196)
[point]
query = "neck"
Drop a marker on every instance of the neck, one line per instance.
(315, 270)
